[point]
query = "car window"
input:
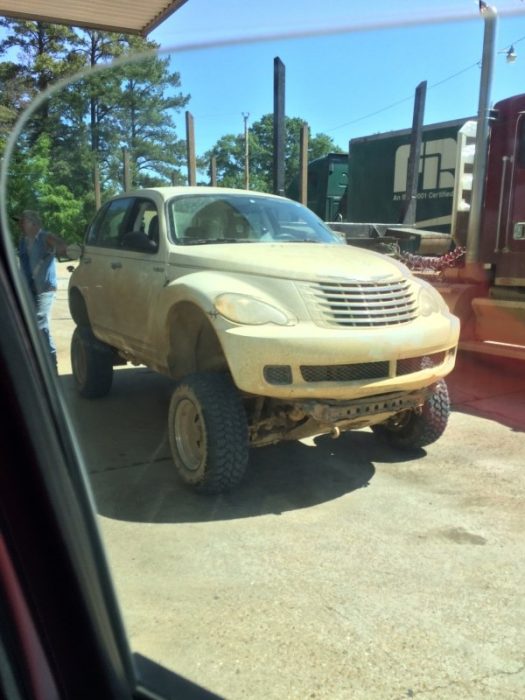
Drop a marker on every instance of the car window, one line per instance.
(141, 228)
(93, 228)
(247, 218)
(109, 227)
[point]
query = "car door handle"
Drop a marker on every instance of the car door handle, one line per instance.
(116, 265)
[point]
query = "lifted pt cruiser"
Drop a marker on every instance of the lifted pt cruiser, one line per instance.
(272, 327)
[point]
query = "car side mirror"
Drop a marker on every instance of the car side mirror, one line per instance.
(73, 251)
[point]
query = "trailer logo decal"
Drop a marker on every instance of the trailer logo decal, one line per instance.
(436, 169)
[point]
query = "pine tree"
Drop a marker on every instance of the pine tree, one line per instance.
(88, 121)
(150, 98)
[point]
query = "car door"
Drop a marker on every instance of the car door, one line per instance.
(100, 263)
(138, 277)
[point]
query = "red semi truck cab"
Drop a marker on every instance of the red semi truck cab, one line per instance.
(493, 311)
(502, 240)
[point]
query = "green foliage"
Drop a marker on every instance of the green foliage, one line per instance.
(229, 153)
(145, 124)
(15, 90)
(229, 156)
(30, 187)
(86, 124)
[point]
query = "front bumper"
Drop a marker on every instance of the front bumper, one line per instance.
(308, 362)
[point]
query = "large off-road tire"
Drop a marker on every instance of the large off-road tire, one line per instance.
(208, 432)
(92, 364)
(413, 429)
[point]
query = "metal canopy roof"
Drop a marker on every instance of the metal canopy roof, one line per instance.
(129, 16)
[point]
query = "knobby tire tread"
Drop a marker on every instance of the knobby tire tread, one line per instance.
(99, 365)
(226, 431)
(423, 429)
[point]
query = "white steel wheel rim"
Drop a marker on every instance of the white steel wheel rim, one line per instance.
(189, 434)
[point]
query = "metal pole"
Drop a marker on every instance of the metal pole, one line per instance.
(482, 135)
(245, 116)
(410, 204)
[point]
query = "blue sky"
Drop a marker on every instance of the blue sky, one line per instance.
(342, 84)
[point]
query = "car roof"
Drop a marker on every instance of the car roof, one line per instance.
(169, 192)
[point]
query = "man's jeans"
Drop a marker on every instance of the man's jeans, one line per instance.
(44, 302)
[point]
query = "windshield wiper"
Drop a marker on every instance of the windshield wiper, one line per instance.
(233, 240)
(207, 241)
(298, 240)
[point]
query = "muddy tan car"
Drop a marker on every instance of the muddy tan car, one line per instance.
(273, 328)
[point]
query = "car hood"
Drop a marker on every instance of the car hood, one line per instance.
(297, 261)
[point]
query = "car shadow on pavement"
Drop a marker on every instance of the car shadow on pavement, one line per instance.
(126, 453)
(285, 477)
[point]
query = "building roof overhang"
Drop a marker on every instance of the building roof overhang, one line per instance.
(128, 16)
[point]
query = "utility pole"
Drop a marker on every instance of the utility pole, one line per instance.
(190, 148)
(126, 169)
(96, 185)
(213, 171)
(245, 116)
(279, 125)
(303, 164)
(409, 206)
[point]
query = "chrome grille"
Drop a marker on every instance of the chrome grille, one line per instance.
(361, 304)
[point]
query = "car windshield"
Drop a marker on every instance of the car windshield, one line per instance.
(201, 219)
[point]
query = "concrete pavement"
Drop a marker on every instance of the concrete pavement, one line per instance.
(340, 568)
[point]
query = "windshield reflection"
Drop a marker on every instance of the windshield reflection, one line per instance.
(212, 218)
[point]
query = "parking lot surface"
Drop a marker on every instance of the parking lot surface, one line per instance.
(339, 568)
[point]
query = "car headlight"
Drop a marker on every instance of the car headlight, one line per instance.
(430, 301)
(245, 309)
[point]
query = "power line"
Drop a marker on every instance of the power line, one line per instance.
(410, 98)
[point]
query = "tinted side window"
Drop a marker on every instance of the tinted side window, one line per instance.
(141, 228)
(108, 226)
(93, 226)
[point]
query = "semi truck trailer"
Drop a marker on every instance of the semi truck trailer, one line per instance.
(368, 183)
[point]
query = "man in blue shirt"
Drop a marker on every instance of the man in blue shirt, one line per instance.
(37, 250)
